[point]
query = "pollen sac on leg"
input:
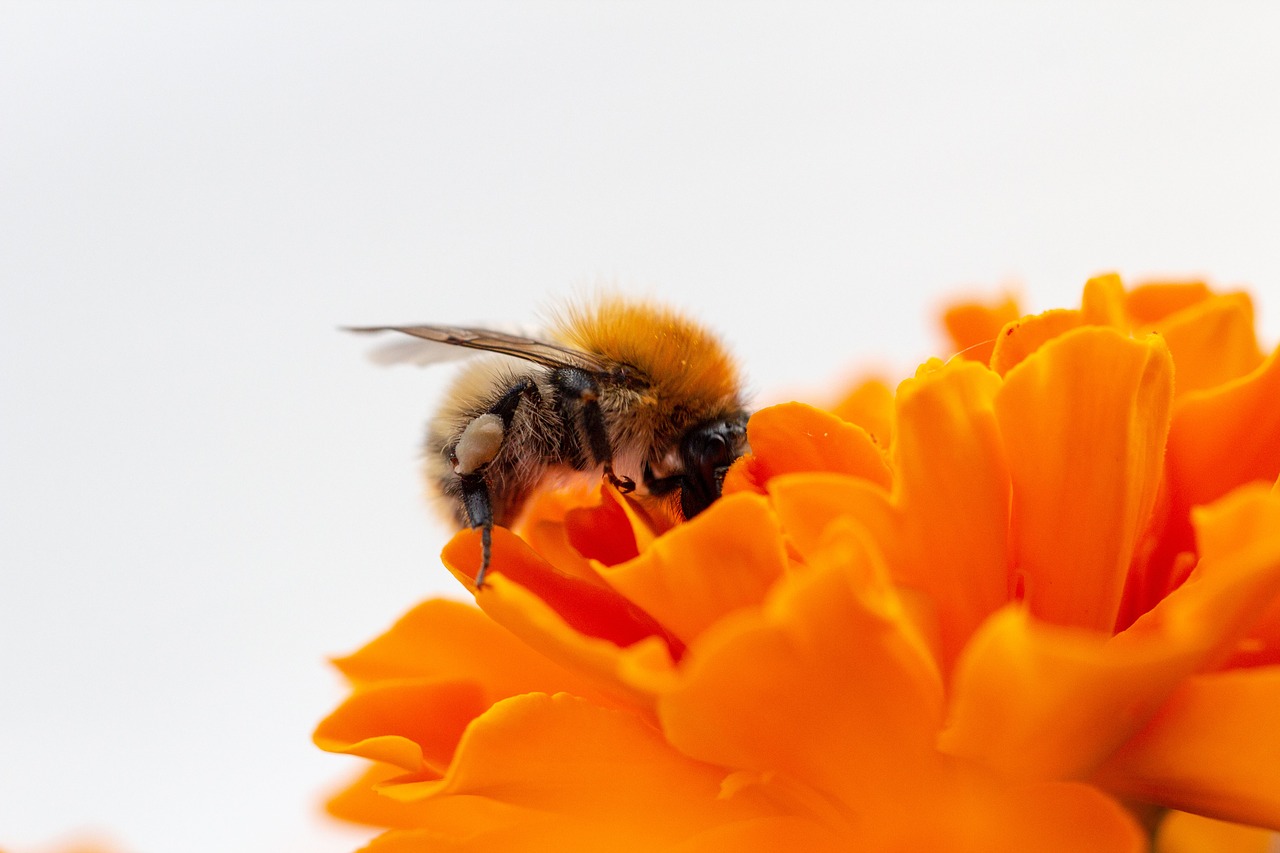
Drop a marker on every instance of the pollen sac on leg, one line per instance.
(478, 444)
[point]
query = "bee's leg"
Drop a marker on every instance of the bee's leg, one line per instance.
(476, 448)
(475, 498)
(579, 390)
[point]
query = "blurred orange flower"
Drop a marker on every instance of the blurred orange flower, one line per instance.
(1027, 602)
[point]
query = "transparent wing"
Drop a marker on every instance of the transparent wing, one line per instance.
(432, 339)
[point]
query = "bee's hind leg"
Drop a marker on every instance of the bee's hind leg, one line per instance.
(475, 498)
(475, 449)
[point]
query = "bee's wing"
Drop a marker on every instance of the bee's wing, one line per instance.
(444, 343)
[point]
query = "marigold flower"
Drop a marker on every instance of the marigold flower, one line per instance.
(1027, 602)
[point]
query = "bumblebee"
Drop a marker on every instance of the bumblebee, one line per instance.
(630, 389)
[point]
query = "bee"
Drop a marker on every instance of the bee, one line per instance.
(628, 389)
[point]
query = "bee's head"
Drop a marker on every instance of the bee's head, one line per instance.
(706, 452)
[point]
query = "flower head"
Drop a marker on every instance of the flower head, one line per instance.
(1037, 585)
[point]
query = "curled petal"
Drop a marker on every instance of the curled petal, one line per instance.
(1183, 832)
(360, 802)
(1214, 749)
(793, 437)
(1226, 436)
(1084, 422)
(973, 326)
(592, 609)
(870, 406)
(597, 660)
(409, 724)
(1037, 700)
(582, 771)
(725, 559)
(442, 640)
(1025, 335)
(1212, 342)
(1040, 701)
(1152, 302)
(1103, 303)
(807, 504)
(953, 498)
(828, 684)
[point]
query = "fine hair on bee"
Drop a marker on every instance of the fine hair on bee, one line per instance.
(628, 388)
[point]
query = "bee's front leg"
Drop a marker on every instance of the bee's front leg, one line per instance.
(580, 396)
(471, 455)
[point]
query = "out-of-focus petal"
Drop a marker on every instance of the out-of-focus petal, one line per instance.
(1023, 336)
(1183, 832)
(605, 771)
(1103, 301)
(829, 676)
(1226, 436)
(869, 405)
(410, 724)
(1212, 342)
(359, 802)
(1153, 301)
(792, 438)
(1083, 421)
(953, 495)
(450, 641)
(973, 326)
(1214, 749)
(724, 559)
(977, 814)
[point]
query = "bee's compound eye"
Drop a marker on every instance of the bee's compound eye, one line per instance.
(707, 452)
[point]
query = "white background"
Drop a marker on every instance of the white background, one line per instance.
(206, 488)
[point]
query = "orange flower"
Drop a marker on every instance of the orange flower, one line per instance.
(1038, 586)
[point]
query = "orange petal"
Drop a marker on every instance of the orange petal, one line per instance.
(953, 494)
(1027, 334)
(592, 610)
(792, 437)
(611, 532)
(1036, 700)
(973, 326)
(1103, 302)
(587, 767)
(1214, 749)
(410, 724)
(828, 684)
(807, 504)
(542, 525)
(1219, 438)
(1212, 342)
(359, 802)
(977, 815)
(725, 559)
(1152, 302)
(444, 640)
(766, 835)
(869, 405)
(1226, 436)
(1183, 832)
(544, 630)
(1039, 701)
(1083, 422)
